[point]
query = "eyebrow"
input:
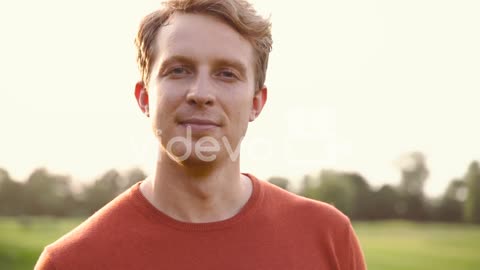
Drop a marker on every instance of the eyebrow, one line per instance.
(239, 66)
(176, 58)
(219, 62)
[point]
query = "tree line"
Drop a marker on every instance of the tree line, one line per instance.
(47, 193)
(351, 193)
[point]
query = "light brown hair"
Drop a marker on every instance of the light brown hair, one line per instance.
(237, 13)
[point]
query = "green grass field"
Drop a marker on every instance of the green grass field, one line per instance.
(22, 240)
(387, 245)
(412, 246)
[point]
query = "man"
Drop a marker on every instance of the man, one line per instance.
(203, 66)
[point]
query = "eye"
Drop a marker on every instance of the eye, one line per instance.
(227, 74)
(178, 71)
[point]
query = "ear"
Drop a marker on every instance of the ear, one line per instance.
(141, 95)
(258, 101)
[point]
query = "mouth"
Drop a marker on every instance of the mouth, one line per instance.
(197, 124)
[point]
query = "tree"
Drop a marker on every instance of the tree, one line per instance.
(385, 203)
(414, 173)
(472, 204)
(308, 188)
(336, 190)
(102, 191)
(348, 192)
(361, 196)
(46, 193)
(451, 204)
(10, 195)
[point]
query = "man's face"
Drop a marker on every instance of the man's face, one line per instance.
(201, 88)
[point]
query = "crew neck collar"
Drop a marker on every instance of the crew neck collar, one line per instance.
(157, 216)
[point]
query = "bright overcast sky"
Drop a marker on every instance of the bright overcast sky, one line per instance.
(353, 85)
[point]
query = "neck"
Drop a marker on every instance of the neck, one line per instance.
(201, 193)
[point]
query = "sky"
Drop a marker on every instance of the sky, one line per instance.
(353, 86)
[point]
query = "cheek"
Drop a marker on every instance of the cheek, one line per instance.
(165, 99)
(240, 115)
(244, 106)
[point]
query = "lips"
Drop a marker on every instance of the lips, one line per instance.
(198, 124)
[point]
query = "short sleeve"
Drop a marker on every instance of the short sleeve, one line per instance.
(45, 261)
(356, 258)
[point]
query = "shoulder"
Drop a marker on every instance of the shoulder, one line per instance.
(282, 203)
(95, 230)
(317, 225)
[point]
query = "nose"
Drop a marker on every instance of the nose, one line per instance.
(201, 92)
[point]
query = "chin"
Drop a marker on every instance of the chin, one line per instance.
(197, 163)
(188, 156)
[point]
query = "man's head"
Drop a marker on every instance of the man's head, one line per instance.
(203, 65)
(239, 14)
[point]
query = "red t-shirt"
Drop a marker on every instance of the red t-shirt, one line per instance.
(274, 230)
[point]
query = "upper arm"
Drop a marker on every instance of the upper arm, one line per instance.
(355, 255)
(45, 261)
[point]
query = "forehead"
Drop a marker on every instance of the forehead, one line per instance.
(204, 38)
